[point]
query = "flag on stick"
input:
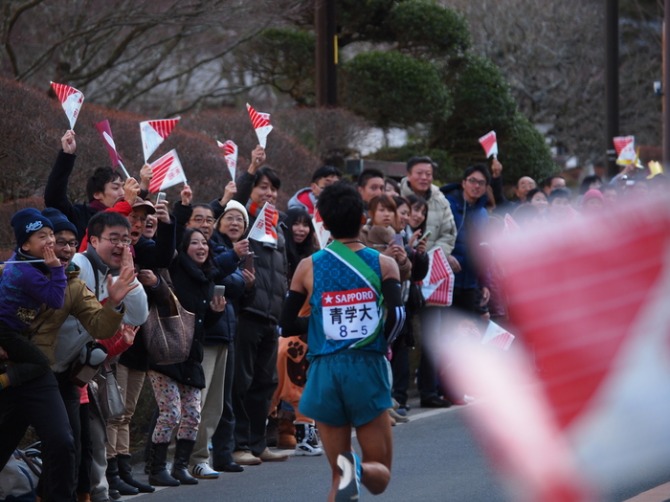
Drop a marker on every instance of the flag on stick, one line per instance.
(167, 172)
(154, 132)
(322, 235)
(261, 123)
(105, 131)
(489, 144)
(70, 99)
(625, 150)
(229, 149)
(263, 229)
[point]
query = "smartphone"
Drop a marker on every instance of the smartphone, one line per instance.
(249, 262)
(219, 290)
(397, 240)
(422, 238)
(160, 197)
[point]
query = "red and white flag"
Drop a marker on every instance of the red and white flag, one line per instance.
(322, 235)
(167, 172)
(589, 297)
(264, 228)
(489, 144)
(625, 150)
(154, 132)
(438, 286)
(70, 99)
(229, 149)
(497, 336)
(261, 123)
(105, 131)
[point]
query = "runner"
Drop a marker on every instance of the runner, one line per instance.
(354, 295)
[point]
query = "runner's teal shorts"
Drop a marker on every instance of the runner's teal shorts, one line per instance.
(351, 387)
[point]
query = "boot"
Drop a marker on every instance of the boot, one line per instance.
(307, 442)
(126, 474)
(271, 432)
(182, 455)
(286, 434)
(115, 482)
(159, 475)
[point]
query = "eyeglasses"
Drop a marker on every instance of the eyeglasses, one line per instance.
(202, 219)
(135, 218)
(115, 241)
(61, 243)
(228, 219)
(475, 181)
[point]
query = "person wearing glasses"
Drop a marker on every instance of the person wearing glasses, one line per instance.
(306, 197)
(55, 414)
(107, 251)
(468, 203)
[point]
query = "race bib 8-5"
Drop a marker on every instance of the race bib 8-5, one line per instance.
(349, 315)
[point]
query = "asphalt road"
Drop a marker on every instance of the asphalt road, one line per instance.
(436, 458)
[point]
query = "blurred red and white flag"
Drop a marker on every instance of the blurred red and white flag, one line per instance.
(489, 143)
(70, 99)
(264, 227)
(625, 150)
(589, 298)
(322, 235)
(497, 336)
(154, 132)
(167, 172)
(229, 149)
(105, 131)
(438, 285)
(261, 124)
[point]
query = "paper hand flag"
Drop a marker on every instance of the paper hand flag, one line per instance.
(261, 124)
(322, 235)
(154, 132)
(625, 150)
(70, 99)
(167, 172)
(105, 131)
(438, 286)
(264, 226)
(489, 143)
(229, 149)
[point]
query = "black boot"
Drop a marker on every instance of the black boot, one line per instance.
(115, 482)
(159, 475)
(182, 455)
(126, 474)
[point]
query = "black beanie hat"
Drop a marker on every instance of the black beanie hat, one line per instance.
(26, 222)
(59, 221)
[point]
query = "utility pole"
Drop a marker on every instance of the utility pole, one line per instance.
(612, 80)
(326, 52)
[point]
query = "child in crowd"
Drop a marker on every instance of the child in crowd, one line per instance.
(32, 277)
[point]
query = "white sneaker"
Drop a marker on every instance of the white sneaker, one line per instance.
(204, 471)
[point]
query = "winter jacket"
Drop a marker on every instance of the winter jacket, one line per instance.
(194, 289)
(25, 287)
(55, 194)
(224, 330)
(470, 220)
(81, 303)
(303, 198)
(439, 221)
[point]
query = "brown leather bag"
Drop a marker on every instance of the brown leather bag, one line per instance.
(168, 339)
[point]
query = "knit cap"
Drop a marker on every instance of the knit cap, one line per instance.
(26, 222)
(58, 220)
